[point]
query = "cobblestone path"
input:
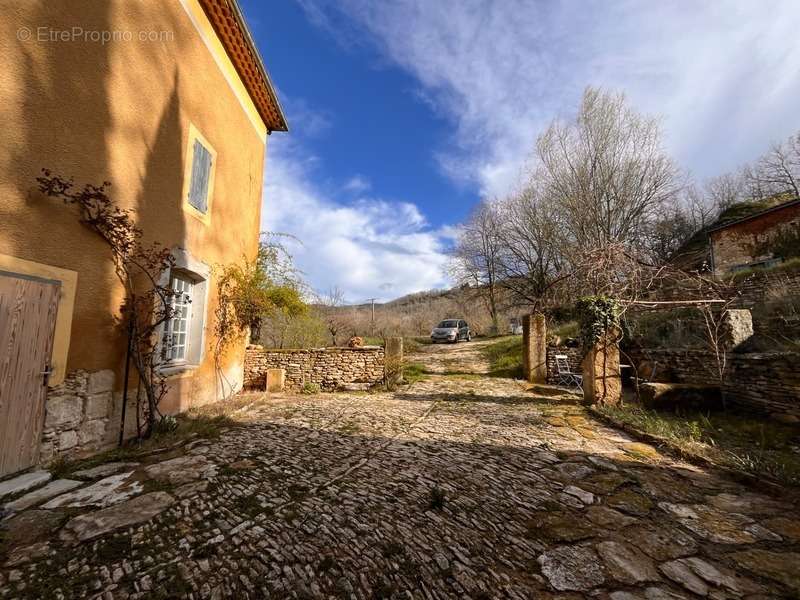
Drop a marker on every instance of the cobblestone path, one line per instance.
(459, 486)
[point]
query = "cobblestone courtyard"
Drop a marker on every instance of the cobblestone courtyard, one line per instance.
(458, 486)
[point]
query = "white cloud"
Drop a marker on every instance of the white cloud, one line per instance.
(724, 75)
(369, 247)
(357, 184)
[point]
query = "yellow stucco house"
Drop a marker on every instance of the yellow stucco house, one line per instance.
(170, 102)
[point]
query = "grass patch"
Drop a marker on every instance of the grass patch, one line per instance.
(729, 439)
(505, 357)
(570, 329)
(413, 372)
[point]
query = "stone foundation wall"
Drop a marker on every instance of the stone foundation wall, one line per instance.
(764, 382)
(574, 356)
(329, 368)
(763, 286)
(77, 415)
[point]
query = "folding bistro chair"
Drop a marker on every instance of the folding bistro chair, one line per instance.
(565, 375)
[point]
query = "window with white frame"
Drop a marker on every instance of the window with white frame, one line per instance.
(177, 329)
(183, 334)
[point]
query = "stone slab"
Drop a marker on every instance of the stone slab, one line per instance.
(94, 524)
(54, 488)
(104, 470)
(183, 469)
(574, 568)
(105, 492)
(24, 482)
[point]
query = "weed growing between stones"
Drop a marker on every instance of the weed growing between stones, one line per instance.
(205, 551)
(248, 505)
(326, 564)
(309, 388)
(436, 498)
(114, 548)
(390, 549)
(297, 492)
(383, 590)
(349, 428)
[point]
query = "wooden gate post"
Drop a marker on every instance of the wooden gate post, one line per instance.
(534, 348)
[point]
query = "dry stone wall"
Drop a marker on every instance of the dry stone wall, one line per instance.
(764, 382)
(77, 413)
(574, 356)
(328, 368)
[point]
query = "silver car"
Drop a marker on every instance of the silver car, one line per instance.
(451, 330)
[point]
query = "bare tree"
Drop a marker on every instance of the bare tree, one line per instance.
(477, 255)
(532, 261)
(606, 171)
(335, 318)
(778, 171)
(726, 190)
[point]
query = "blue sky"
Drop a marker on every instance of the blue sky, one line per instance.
(404, 113)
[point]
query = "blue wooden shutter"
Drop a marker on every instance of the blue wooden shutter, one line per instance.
(201, 170)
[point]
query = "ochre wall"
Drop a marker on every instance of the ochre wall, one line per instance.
(120, 111)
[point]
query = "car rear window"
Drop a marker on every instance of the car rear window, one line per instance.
(448, 324)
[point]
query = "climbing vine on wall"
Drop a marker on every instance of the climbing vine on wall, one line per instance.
(139, 267)
(597, 315)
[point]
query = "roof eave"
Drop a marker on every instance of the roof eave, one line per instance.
(237, 11)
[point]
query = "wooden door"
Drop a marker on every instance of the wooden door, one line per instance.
(28, 307)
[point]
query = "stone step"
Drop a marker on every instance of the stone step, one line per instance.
(24, 483)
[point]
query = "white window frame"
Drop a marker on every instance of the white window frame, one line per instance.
(179, 323)
(187, 268)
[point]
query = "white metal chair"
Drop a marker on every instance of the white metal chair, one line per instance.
(565, 375)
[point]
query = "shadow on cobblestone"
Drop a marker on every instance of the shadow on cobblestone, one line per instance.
(447, 489)
(315, 513)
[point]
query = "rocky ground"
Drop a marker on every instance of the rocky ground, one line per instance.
(458, 486)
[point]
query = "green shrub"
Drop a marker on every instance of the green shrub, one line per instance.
(166, 425)
(310, 388)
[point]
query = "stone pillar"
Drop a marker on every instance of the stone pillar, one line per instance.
(534, 348)
(393, 360)
(276, 380)
(737, 323)
(602, 383)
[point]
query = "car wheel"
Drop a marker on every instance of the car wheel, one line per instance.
(469, 337)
